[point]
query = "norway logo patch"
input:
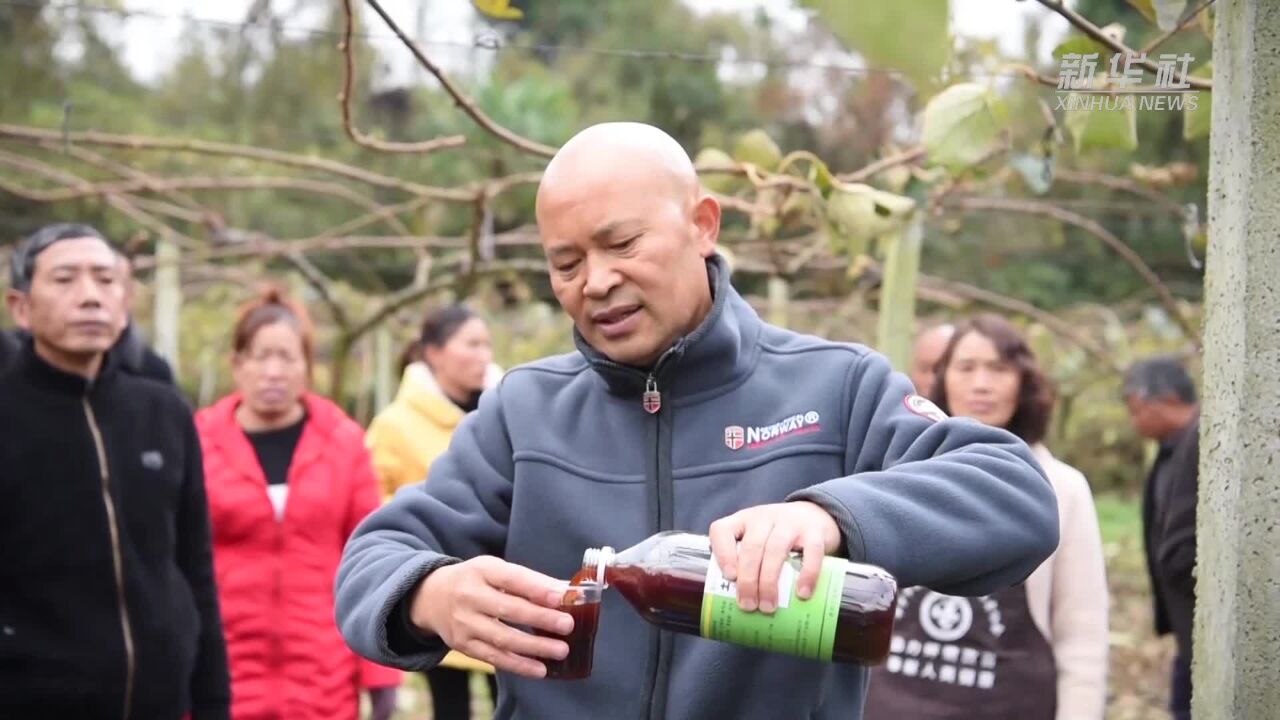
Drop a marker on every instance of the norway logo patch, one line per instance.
(924, 407)
(737, 437)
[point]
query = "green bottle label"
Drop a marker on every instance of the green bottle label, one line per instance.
(797, 627)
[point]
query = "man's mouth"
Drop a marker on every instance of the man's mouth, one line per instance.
(91, 326)
(614, 320)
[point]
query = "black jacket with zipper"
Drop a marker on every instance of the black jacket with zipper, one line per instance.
(108, 607)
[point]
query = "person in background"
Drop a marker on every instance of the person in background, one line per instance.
(10, 343)
(289, 478)
(107, 601)
(136, 356)
(925, 354)
(444, 373)
(1034, 651)
(1161, 399)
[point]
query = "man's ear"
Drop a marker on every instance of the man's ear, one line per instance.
(706, 223)
(18, 310)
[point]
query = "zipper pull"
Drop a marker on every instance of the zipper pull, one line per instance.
(652, 398)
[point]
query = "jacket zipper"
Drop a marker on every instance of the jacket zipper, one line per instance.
(651, 402)
(117, 557)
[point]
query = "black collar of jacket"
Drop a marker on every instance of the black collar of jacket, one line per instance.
(718, 352)
(130, 349)
(1177, 439)
(41, 374)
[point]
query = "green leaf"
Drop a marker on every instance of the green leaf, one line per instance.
(912, 37)
(1102, 128)
(819, 174)
(1168, 13)
(1036, 171)
(757, 148)
(1145, 7)
(1080, 45)
(1195, 122)
(1206, 22)
(723, 183)
(962, 125)
(858, 213)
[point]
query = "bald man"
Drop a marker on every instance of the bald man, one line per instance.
(928, 350)
(680, 410)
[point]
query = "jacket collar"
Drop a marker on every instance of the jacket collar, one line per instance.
(420, 391)
(130, 348)
(1174, 441)
(41, 374)
(720, 351)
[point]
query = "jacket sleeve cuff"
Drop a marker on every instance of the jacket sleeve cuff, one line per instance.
(850, 534)
(402, 638)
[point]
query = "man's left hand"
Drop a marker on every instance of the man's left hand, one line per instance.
(752, 544)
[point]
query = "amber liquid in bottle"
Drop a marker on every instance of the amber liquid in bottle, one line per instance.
(665, 579)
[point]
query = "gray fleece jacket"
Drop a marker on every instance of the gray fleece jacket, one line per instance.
(562, 456)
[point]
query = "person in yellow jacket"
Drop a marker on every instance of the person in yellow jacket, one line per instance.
(444, 372)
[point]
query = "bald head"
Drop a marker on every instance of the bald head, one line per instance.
(928, 350)
(637, 151)
(627, 229)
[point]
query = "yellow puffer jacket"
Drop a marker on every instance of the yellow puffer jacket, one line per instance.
(408, 435)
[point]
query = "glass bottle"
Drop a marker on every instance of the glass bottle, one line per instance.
(674, 582)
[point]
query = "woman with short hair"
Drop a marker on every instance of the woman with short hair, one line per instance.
(1034, 651)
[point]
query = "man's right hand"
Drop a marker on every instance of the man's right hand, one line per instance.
(470, 604)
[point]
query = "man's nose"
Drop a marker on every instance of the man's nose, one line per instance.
(89, 293)
(601, 278)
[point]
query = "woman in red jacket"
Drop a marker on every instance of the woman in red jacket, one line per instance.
(288, 479)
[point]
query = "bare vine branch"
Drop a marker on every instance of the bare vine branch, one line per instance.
(1113, 182)
(139, 142)
(1049, 210)
(903, 158)
(348, 88)
(1190, 18)
(467, 104)
(1094, 32)
(1021, 307)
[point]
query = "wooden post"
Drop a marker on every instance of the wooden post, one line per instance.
(898, 293)
(167, 310)
(779, 300)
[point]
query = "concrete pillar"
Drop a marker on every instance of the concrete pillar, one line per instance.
(167, 312)
(1237, 631)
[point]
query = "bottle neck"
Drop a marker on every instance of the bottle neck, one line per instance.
(597, 559)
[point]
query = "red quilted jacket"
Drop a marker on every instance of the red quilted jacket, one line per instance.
(275, 579)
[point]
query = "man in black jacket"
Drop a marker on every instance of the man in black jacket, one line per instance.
(9, 344)
(1162, 406)
(134, 354)
(108, 607)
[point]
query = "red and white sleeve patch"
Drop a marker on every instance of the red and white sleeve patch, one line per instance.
(924, 407)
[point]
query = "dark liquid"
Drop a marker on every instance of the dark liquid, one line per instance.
(582, 643)
(581, 640)
(669, 595)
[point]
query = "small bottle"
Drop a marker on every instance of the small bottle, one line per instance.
(674, 582)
